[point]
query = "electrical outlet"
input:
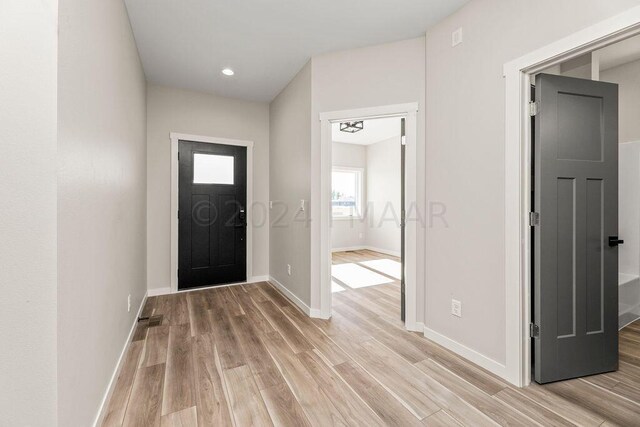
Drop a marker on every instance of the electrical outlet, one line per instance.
(129, 303)
(456, 308)
(456, 37)
(289, 269)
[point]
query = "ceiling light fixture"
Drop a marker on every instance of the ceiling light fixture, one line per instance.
(228, 72)
(352, 127)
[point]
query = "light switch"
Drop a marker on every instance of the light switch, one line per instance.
(456, 37)
(456, 308)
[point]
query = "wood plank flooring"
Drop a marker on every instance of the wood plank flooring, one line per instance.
(244, 355)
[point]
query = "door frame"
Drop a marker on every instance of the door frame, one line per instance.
(518, 145)
(321, 283)
(175, 142)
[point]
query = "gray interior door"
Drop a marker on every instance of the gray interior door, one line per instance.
(575, 302)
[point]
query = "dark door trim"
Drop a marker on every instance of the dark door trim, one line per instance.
(175, 138)
(403, 219)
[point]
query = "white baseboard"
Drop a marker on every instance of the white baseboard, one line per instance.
(370, 248)
(416, 327)
(384, 251)
(348, 249)
(167, 290)
(292, 297)
(112, 382)
(317, 314)
(158, 291)
(468, 353)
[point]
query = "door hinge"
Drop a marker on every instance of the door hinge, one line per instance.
(533, 108)
(534, 330)
(178, 156)
(534, 219)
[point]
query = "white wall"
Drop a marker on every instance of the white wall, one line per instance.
(349, 233)
(628, 78)
(28, 46)
(387, 74)
(465, 125)
(384, 196)
(101, 200)
(629, 207)
(579, 67)
(289, 182)
(175, 110)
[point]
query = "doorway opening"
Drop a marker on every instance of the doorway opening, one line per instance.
(366, 213)
(520, 74)
(586, 184)
(394, 264)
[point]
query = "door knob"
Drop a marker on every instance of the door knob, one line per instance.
(614, 241)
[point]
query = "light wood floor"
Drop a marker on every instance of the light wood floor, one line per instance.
(385, 297)
(244, 355)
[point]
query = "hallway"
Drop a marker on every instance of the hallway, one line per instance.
(157, 152)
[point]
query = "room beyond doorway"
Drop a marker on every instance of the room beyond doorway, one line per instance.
(367, 281)
(367, 206)
(409, 218)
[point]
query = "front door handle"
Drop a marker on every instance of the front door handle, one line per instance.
(614, 241)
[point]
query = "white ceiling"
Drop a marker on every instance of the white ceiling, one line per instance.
(186, 43)
(620, 53)
(374, 131)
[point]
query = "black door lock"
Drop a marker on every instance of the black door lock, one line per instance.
(614, 241)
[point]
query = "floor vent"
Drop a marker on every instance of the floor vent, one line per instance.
(155, 320)
(144, 323)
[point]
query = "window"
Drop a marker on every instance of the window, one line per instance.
(212, 169)
(346, 193)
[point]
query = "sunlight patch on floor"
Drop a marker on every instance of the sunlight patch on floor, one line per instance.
(385, 266)
(356, 276)
(335, 287)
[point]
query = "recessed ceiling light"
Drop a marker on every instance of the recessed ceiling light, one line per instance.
(227, 72)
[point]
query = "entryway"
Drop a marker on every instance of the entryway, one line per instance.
(213, 201)
(211, 233)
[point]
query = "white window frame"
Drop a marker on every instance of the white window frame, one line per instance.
(360, 199)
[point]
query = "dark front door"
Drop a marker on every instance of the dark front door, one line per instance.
(575, 241)
(212, 214)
